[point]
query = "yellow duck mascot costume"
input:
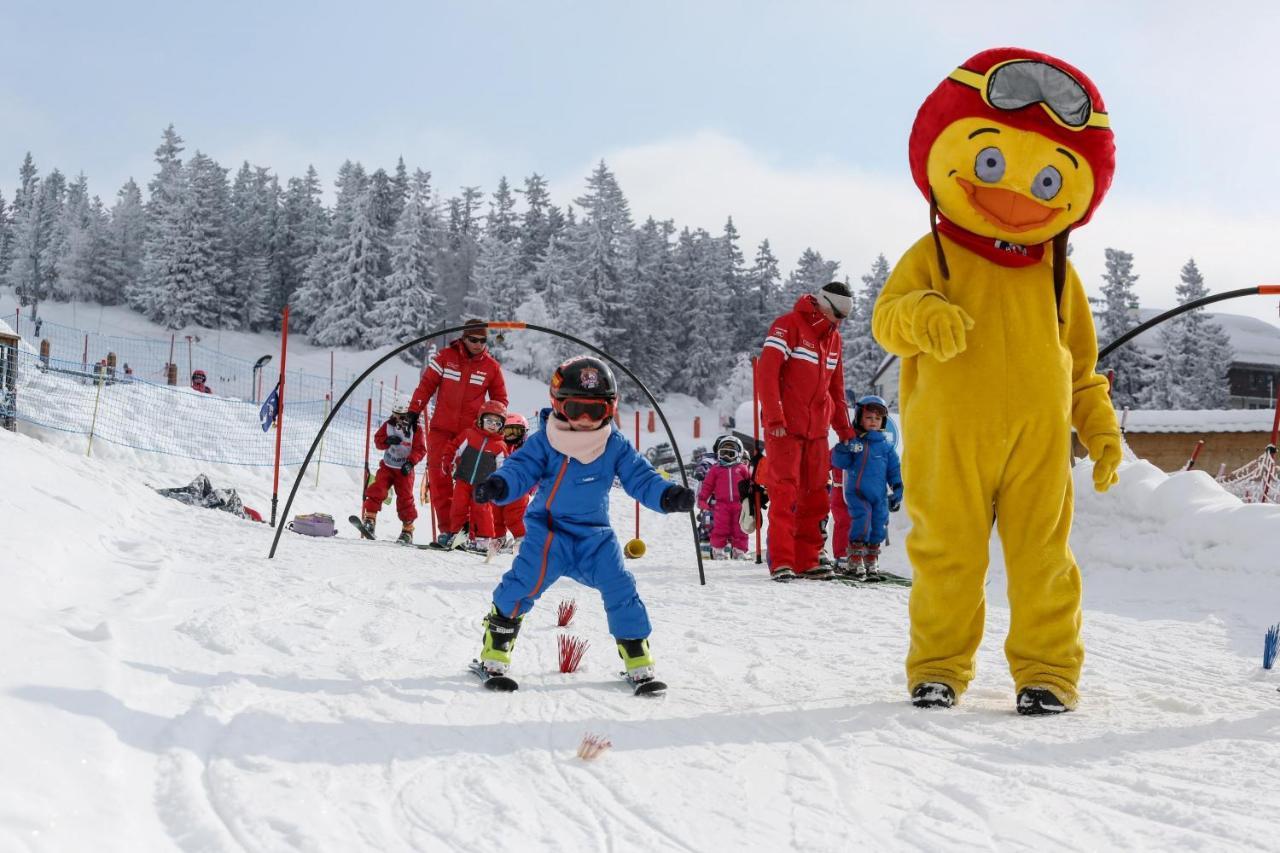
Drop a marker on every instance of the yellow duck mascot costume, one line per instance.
(1012, 150)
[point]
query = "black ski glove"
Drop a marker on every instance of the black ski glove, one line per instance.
(406, 468)
(895, 499)
(894, 506)
(393, 440)
(677, 499)
(492, 489)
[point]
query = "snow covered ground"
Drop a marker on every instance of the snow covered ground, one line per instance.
(165, 686)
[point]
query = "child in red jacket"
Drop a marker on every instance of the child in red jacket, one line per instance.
(511, 516)
(475, 460)
(403, 448)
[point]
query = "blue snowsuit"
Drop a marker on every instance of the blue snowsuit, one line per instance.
(567, 526)
(871, 463)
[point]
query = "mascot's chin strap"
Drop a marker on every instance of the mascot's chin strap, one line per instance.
(1059, 254)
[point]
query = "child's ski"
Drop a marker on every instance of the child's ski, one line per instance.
(874, 579)
(501, 683)
(365, 532)
(651, 687)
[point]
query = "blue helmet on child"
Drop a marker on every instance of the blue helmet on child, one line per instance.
(872, 402)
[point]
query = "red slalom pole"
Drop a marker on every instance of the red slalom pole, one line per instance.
(755, 431)
(368, 429)
(1195, 454)
(284, 354)
(637, 451)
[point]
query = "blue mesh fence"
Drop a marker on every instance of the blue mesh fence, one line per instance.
(132, 411)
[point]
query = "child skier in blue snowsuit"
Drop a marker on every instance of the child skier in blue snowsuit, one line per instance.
(873, 470)
(573, 460)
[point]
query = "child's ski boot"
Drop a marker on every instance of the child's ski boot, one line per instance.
(364, 525)
(855, 563)
(871, 560)
(406, 534)
(499, 638)
(640, 672)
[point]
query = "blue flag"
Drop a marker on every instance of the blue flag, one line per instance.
(270, 408)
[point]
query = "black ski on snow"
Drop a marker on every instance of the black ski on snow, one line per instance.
(434, 546)
(365, 533)
(652, 687)
(500, 683)
(875, 579)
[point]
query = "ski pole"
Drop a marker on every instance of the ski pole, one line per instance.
(102, 375)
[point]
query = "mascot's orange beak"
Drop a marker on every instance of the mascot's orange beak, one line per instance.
(1006, 209)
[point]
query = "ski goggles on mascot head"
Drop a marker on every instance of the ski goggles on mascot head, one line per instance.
(1020, 83)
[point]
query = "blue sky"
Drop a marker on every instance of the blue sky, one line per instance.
(793, 117)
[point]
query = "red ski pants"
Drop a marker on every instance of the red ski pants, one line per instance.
(840, 528)
(383, 481)
(441, 446)
(479, 517)
(510, 517)
(797, 481)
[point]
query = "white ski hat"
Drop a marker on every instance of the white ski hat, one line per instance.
(837, 297)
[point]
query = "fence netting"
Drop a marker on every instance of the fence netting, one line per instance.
(134, 411)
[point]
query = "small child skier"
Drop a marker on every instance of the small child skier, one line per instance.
(574, 460)
(719, 494)
(403, 447)
(872, 470)
(511, 516)
(475, 459)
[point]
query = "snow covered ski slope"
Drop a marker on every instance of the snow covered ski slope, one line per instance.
(164, 686)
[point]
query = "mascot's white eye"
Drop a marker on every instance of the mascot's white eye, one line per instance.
(1046, 183)
(989, 165)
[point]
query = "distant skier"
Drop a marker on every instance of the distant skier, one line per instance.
(574, 460)
(199, 382)
(403, 448)
(720, 494)
(475, 460)
(511, 516)
(872, 485)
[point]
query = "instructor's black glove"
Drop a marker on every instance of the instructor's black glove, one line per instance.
(677, 499)
(413, 419)
(406, 468)
(492, 489)
(393, 440)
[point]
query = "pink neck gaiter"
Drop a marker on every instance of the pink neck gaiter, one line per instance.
(586, 447)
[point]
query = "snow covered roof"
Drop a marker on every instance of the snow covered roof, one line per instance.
(1254, 341)
(1216, 420)
(7, 330)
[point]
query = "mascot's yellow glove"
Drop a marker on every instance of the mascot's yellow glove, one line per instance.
(938, 328)
(1104, 450)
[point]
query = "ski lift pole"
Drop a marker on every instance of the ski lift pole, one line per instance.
(328, 403)
(93, 424)
(284, 355)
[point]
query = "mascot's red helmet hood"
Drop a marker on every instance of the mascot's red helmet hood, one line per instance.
(954, 100)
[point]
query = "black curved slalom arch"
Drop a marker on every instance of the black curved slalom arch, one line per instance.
(498, 327)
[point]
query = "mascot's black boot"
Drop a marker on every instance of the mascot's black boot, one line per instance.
(1036, 701)
(932, 694)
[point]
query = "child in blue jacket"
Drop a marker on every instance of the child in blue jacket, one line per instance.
(872, 486)
(573, 460)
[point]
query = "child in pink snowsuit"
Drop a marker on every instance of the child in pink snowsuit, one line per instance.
(719, 494)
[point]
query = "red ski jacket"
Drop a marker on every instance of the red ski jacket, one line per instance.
(801, 376)
(477, 455)
(410, 449)
(460, 383)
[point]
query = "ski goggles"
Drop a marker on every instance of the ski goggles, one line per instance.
(1020, 83)
(728, 454)
(493, 423)
(593, 408)
(513, 432)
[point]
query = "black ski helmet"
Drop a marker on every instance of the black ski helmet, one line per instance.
(584, 378)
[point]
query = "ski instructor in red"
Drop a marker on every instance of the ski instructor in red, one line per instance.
(461, 376)
(801, 382)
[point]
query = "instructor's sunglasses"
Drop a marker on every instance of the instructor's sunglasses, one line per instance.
(477, 340)
(1020, 83)
(574, 408)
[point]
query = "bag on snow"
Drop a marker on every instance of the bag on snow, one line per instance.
(314, 524)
